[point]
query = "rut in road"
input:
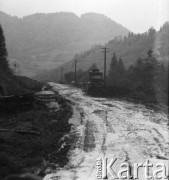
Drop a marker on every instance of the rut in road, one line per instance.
(113, 129)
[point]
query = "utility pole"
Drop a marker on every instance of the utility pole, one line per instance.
(105, 51)
(75, 71)
(61, 75)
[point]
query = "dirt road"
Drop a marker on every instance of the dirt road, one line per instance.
(111, 129)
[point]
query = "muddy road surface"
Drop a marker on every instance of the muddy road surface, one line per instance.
(109, 128)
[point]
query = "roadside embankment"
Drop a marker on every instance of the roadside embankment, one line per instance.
(36, 140)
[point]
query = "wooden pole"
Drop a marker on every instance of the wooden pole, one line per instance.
(105, 51)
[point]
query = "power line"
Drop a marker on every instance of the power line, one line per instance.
(105, 51)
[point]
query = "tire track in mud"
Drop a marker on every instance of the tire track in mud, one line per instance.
(89, 140)
(80, 144)
(102, 115)
(86, 140)
(160, 135)
(109, 129)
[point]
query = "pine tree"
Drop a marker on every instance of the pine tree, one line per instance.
(151, 33)
(121, 68)
(113, 70)
(148, 73)
(3, 52)
(139, 68)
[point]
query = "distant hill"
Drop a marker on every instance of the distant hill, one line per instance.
(129, 48)
(45, 41)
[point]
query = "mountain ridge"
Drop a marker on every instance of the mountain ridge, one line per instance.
(44, 41)
(129, 48)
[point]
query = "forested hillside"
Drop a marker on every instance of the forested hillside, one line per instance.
(10, 82)
(44, 41)
(145, 81)
(129, 48)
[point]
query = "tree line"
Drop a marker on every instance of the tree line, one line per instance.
(146, 80)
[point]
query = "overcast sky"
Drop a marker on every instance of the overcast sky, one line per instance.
(136, 15)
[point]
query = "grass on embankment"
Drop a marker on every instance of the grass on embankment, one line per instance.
(25, 153)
